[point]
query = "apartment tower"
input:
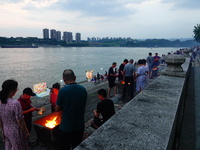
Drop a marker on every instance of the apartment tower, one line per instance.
(78, 37)
(45, 33)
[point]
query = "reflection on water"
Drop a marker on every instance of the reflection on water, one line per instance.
(33, 65)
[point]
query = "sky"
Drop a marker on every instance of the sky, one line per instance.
(138, 19)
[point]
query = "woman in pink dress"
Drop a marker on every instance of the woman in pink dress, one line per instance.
(12, 124)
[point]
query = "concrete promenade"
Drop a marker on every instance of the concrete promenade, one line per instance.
(190, 133)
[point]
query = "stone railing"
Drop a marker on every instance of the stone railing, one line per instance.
(152, 119)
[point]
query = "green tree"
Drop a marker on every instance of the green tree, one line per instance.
(197, 33)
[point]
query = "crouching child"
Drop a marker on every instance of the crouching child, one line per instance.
(105, 108)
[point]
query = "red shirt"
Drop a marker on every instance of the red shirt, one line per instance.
(53, 96)
(26, 104)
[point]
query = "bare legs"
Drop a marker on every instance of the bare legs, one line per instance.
(115, 91)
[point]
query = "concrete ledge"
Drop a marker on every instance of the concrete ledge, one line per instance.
(178, 74)
(147, 122)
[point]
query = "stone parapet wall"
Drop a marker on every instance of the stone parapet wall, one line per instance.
(150, 121)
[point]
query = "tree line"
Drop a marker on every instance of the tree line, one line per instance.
(106, 43)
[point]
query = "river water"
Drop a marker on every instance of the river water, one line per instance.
(30, 66)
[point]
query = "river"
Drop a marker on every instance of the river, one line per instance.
(30, 66)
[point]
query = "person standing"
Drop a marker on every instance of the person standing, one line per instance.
(54, 95)
(98, 77)
(156, 60)
(105, 108)
(129, 73)
(14, 131)
(121, 69)
(72, 101)
(150, 61)
(27, 108)
(111, 79)
(141, 75)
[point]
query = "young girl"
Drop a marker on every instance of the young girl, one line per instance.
(141, 75)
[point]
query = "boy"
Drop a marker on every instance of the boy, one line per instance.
(105, 107)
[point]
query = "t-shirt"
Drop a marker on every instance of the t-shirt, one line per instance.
(142, 70)
(26, 104)
(156, 60)
(72, 99)
(150, 60)
(106, 109)
(53, 96)
(129, 70)
(111, 71)
(121, 68)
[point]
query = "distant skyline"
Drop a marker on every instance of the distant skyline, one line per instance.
(138, 19)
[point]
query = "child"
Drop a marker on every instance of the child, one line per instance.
(53, 95)
(105, 108)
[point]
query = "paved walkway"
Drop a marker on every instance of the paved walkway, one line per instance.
(190, 131)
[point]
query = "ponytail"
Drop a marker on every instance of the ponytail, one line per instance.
(7, 87)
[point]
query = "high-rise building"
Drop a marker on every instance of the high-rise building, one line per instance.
(45, 33)
(94, 39)
(88, 39)
(78, 37)
(53, 34)
(67, 37)
(58, 35)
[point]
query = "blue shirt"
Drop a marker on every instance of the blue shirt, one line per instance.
(150, 60)
(72, 99)
(129, 70)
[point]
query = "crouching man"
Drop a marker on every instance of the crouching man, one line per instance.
(105, 108)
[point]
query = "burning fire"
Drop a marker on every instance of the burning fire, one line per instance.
(155, 68)
(51, 123)
(123, 82)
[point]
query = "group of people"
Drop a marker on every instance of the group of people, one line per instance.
(132, 73)
(99, 78)
(129, 73)
(15, 116)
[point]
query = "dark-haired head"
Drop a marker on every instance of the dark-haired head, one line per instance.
(102, 92)
(140, 62)
(144, 61)
(125, 60)
(9, 88)
(56, 85)
(69, 76)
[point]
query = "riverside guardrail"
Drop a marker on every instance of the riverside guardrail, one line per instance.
(150, 121)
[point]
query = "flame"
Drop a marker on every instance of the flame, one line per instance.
(123, 82)
(51, 123)
(155, 68)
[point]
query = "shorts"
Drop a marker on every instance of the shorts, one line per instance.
(111, 84)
